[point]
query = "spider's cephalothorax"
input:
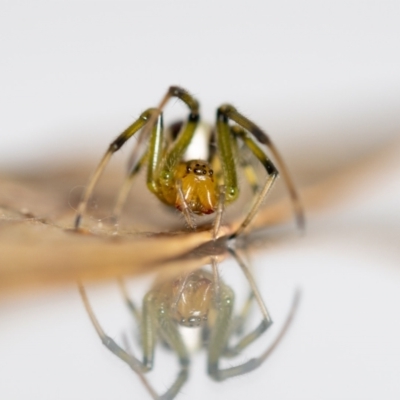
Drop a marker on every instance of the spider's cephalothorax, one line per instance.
(196, 187)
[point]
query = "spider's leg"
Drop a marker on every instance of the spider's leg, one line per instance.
(245, 164)
(228, 112)
(184, 138)
(220, 332)
(226, 144)
(249, 173)
(266, 321)
(240, 319)
(216, 282)
(131, 305)
(220, 211)
(217, 167)
(160, 310)
(161, 177)
(182, 94)
(225, 171)
(114, 146)
(125, 189)
(221, 374)
(237, 131)
(152, 311)
(130, 359)
(153, 154)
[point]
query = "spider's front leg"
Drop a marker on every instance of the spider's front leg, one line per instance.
(228, 113)
(161, 178)
(147, 121)
(163, 159)
(114, 146)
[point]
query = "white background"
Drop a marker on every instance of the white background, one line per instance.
(322, 77)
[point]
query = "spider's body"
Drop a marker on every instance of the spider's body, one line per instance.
(194, 173)
(196, 186)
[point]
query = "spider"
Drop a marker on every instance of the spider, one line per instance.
(198, 187)
(198, 299)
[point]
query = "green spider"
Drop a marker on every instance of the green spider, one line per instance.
(198, 299)
(198, 187)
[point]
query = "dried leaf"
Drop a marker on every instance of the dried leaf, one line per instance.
(39, 247)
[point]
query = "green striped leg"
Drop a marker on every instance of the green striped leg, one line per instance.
(227, 112)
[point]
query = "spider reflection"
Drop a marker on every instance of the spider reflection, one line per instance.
(198, 299)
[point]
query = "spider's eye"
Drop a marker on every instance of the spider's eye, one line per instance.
(188, 168)
(197, 170)
(210, 172)
(204, 171)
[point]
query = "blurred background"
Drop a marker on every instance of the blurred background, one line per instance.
(323, 78)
